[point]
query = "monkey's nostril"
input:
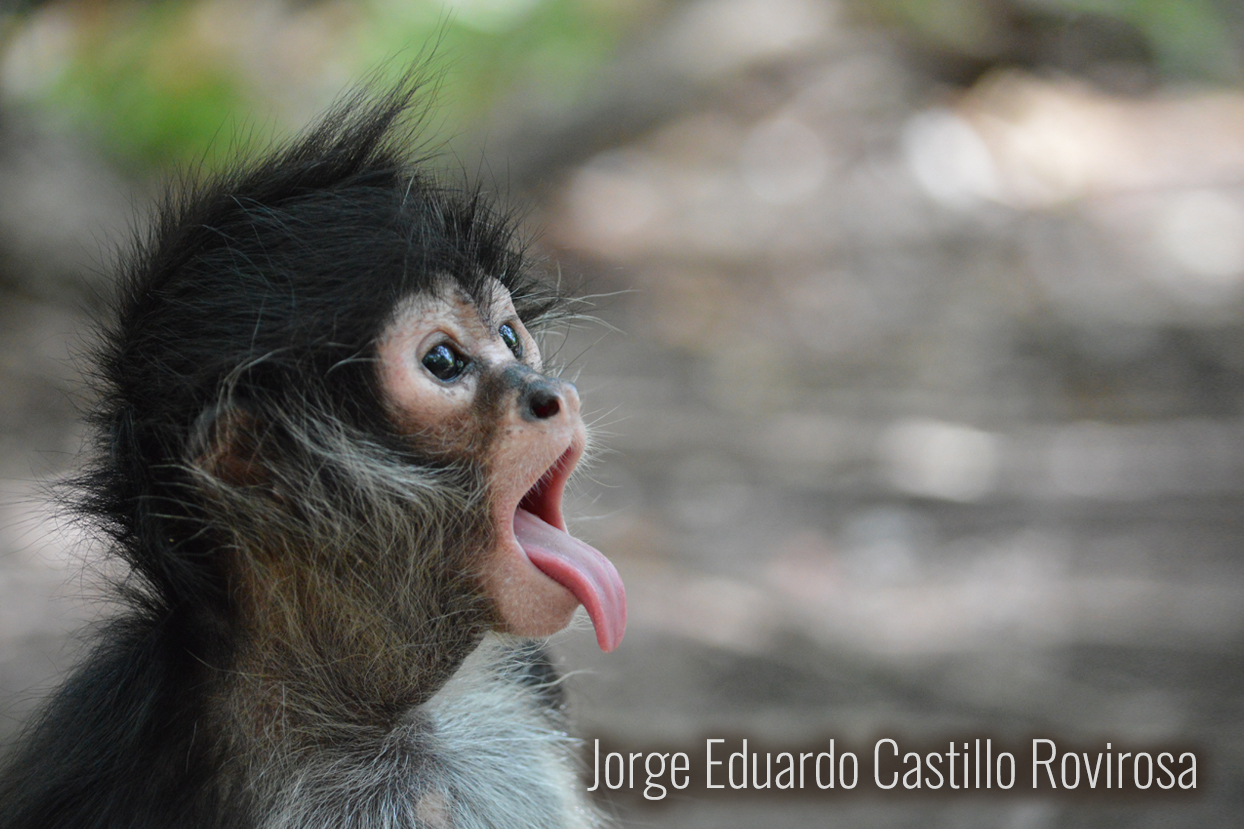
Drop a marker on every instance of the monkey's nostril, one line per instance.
(544, 404)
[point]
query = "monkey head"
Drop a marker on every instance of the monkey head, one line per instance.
(464, 379)
(326, 440)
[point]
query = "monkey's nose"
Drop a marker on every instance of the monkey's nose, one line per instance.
(543, 404)
(542, 398)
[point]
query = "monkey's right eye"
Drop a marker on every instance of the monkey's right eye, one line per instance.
(444, 363)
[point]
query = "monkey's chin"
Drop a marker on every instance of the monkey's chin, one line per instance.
(581, 569)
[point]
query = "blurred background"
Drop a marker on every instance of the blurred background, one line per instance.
(918, 372)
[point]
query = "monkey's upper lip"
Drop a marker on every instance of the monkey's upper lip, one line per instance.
(544, 499)
(540, 530)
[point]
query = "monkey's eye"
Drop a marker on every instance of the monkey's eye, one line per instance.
(510, 337)
(444, 363)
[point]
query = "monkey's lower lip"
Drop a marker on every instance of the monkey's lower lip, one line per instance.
(580, 568)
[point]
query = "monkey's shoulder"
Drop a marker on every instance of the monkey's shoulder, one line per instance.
(113, 746)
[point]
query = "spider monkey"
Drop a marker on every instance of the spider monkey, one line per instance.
(333, 461)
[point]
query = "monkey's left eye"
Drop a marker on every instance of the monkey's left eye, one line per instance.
(444, 363)
(510, 337)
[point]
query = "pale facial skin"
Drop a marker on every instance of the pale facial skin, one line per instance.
(476, 408)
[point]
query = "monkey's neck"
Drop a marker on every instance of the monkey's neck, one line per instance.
(296, 685)
(325, 644)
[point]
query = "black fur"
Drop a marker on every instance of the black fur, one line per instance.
(261, 289)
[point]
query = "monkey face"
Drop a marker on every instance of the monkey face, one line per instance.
(462, 380)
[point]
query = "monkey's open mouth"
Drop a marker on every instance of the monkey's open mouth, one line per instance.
(580, 568)
(544, 500)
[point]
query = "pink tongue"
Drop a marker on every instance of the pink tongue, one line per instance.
(580, 569)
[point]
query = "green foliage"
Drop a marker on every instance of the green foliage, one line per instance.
(548, 49)
(159, 83)
(138, 79)
(1191, 38)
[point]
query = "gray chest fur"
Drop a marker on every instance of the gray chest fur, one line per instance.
(483, 752)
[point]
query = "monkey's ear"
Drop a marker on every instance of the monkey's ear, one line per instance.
(227, 443)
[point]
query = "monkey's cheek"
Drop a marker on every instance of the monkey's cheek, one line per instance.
(528, 602)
